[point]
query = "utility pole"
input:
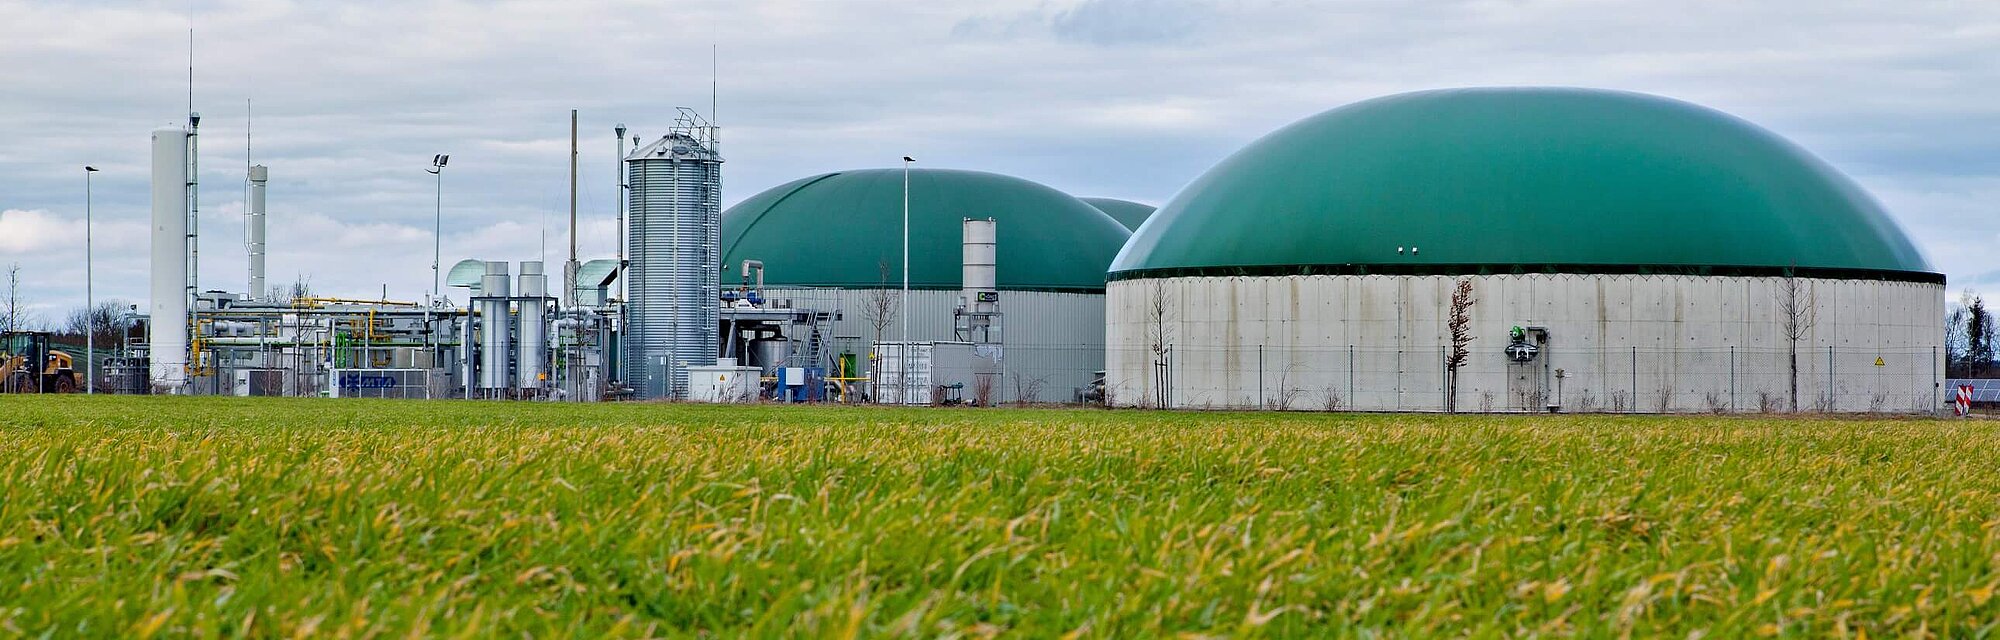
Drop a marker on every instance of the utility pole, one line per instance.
(570, 268)
(89, 296)
(903, 381)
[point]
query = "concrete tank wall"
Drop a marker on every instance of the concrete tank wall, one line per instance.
(1623, 342)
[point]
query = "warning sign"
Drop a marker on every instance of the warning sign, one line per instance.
(1879, 362)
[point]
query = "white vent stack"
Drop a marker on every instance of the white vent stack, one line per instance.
(496, 339)
(531, 363)
(976, 318)
(980, 273)
(254, 228)
(169, 305)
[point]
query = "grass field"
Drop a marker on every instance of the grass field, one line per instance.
(136, 517)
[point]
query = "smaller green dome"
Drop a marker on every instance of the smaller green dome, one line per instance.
(845, 229)
(1126, 212)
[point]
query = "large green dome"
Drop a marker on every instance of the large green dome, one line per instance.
(841, 229)
(1126, 212)
(1513, 180)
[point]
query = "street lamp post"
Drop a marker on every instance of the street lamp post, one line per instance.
(437, 252)
(903, 382)
(89, 296)
(437, 223)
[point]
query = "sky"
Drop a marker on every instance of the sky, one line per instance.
(348, 101)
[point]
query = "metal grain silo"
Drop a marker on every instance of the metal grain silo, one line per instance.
(674, 244)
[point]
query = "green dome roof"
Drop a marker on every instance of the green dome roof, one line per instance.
(839, 229)
(1499, 180)
(1126, 212)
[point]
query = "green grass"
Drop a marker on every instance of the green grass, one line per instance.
(221, 517)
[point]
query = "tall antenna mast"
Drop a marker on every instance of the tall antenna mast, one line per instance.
(190, 56)
(714, 119)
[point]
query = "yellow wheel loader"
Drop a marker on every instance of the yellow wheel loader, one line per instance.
(28, 365)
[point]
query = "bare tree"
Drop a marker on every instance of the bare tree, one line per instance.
(1955, 337)
(300, 289)
(14, 319)
(1459, 324)
(107, 320)
(879, 308)
(1160, 339)
(1797, 311)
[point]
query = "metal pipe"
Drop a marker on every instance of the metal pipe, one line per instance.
(759, 266)
(620, 195)
(194, 209)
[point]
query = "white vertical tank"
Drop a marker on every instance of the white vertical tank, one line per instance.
(531, 362)
(168, 308)
(254, 228)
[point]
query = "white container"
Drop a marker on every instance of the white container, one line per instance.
(723, 383)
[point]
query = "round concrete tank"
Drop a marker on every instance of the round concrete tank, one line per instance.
(1524, 249)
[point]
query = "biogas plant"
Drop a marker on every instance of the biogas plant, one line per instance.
(1485, 249)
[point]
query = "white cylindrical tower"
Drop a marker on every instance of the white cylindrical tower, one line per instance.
(531, 361)
(254, 228)
(169, 313)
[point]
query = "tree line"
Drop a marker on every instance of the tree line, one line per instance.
(1969, 338)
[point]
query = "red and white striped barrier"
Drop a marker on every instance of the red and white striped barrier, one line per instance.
(1964, 403)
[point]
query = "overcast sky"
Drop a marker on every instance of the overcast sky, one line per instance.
(1121, 98)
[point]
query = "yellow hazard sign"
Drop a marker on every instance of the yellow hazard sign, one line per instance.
(1879, 362)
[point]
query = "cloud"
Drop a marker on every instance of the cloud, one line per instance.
(24, 232)
(1132, 98)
